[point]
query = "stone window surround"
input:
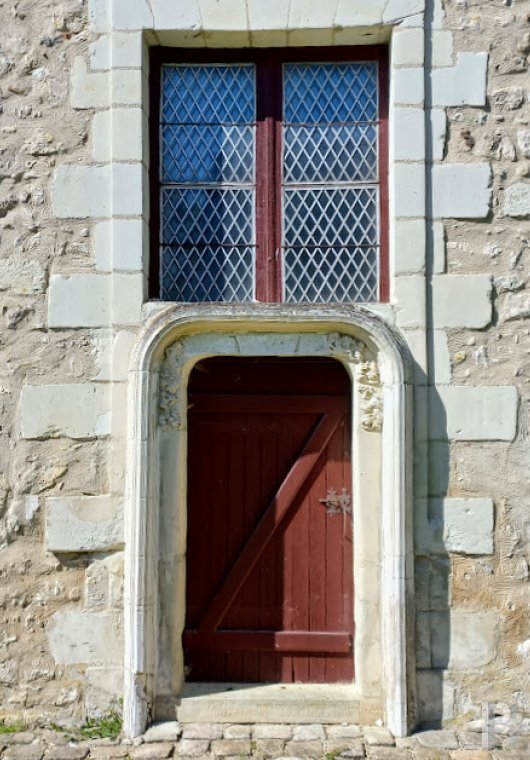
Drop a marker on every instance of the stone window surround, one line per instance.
(158, 402)
(120, 142)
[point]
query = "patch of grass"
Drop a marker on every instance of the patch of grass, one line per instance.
(12, 728)
(332, 755)
(108, 726)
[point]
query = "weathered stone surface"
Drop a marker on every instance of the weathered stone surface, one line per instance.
(272, 731)
(468, 526)
(192, 747)
(62, 752)
(202, 731)
(269, 747)
(438, 739)
(167, 731)
(24, 752)
(378, 736)
(151, 751)
(472, 642)
(108, 752)
(308, 733)
(85, 523)
(88, 637)
(475, 754)
(80, 410)
(237, 731)
(507, 98)
(225, 747)
(350, 731)
(517, 200)
(310, 749)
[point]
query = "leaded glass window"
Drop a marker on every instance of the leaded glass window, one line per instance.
(270, 177)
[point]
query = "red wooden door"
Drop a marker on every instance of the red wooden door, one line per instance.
(269, 583)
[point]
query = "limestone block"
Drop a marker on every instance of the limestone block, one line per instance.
(131, 14)
(126, 87)
(117, 135)
(127, 48)
(88, 90)
(119, 245)
(409, 183)
(83, 523)
(79, 300)
(462, 300)
(409, 134)
(168, 731)
(442, 48)
(99, 53)
(438, 128)
(79, 410)
(463, 84)
(85, 637)
(468, 526)
(410, 301)
(442, 360)
(176, 15)
(99, 16)
(22, 276)
(408, 47)
(438, 243)
(357, 13)
(312, 13)
(80, 192)
(472, 642)
(517, 200)
(103, 687)
(408, 87)
(396, 10)
(128, 183)
(470, 413)
(230, 15)
(409, 246)
(128, 298)
(461, 191)
(436, 696)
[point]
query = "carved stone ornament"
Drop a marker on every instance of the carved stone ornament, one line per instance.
(371, 396)
(352, 349)
(169, 388)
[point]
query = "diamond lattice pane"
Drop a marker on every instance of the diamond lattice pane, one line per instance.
(207, 273)
(322, 275)
(330, 92)
(208, 94)
(201, 216)
(199, 153)
(341, 153)
(330, 216)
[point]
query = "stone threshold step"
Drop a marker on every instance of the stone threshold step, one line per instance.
(268, 703)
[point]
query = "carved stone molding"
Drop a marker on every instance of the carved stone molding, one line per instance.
(371, 395)
(169, 387)
(338, 345)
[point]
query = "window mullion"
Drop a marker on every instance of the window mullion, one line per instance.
(265, 181)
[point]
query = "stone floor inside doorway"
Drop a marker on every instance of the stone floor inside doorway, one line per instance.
(209, 741)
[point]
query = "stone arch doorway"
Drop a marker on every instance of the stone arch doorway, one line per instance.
(172, 344)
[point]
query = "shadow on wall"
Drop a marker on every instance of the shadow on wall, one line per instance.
(432, 571)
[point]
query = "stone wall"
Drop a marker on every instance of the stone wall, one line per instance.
(73, 215)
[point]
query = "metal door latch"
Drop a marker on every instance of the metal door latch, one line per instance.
(336, 503)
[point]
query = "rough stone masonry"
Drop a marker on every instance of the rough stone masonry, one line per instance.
(73, 217)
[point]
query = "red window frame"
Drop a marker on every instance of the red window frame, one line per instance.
(268, 63)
